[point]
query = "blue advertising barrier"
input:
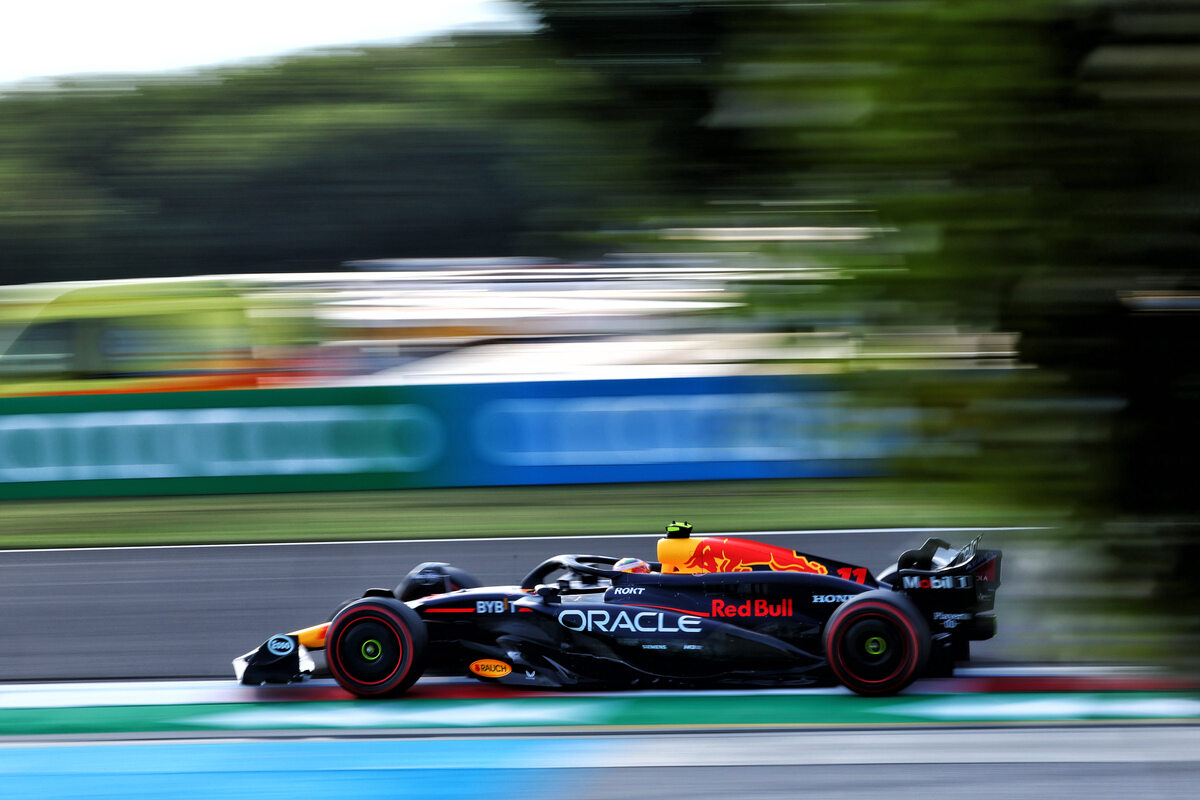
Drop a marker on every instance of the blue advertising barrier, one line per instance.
(493, 434)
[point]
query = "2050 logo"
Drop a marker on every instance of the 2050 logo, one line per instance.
(598, 619)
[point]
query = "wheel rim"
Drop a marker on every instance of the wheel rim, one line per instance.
(371, 650)
(873, 650)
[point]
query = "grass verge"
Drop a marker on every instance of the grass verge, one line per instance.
(542, 510)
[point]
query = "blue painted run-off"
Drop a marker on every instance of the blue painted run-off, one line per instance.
(312, 770)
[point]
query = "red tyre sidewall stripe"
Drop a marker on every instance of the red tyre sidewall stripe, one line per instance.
(397, 625)
(880, 610)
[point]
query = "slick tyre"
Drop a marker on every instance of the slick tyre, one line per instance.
(338, 609)
(375, 647)
(877, 643)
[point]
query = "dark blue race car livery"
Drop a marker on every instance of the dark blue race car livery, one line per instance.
(711, 611)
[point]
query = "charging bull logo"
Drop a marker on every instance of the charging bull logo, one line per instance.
(794, 562)
(732, 555)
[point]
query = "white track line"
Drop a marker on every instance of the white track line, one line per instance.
(122, 693)
(553, 537)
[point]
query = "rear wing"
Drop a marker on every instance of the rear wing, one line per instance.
(967, 576)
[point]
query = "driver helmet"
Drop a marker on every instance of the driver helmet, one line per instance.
(631, 565)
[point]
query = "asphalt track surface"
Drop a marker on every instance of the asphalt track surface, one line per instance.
(185, 612)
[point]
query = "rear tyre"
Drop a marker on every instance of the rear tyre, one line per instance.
(375, 647)
(877, 643)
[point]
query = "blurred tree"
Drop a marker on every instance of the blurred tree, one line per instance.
(460, 147)
(662, 62)
(1028, 165)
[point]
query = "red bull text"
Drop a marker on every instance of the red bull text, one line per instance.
(752, 608)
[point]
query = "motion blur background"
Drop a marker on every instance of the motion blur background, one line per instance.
(884, 263)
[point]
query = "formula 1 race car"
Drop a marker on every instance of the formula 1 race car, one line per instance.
(712, 611)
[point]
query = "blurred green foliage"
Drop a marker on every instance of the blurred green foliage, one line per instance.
(1027, 167)
(474, 146)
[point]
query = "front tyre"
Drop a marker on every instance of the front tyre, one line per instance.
(877, 643)
(375, 647)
